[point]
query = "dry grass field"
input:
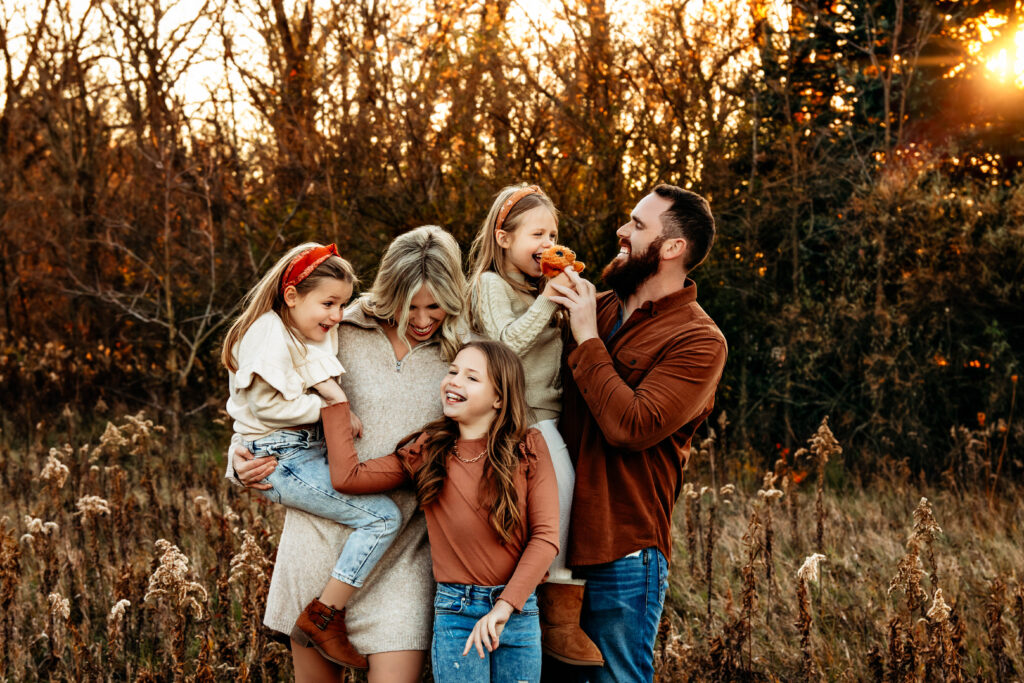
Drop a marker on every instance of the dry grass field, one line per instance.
(124, 556)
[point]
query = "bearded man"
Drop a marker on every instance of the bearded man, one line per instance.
(639, 379)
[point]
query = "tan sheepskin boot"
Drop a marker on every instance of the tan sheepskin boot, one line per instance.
(561, 635)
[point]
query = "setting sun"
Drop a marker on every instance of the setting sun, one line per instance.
(996, 46)
(1007, 65)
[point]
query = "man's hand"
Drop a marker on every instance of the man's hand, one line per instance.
(251, 470)
(581, 302)
(487, 629)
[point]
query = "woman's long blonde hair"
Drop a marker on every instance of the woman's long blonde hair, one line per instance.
(267, 296)
(486, 255)
(426, 256)
(505, 438)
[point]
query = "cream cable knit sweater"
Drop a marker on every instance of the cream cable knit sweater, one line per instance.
(394, 610)
(525, 325)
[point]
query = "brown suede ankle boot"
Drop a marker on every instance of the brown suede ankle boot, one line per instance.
(323, 627)
(561, 635)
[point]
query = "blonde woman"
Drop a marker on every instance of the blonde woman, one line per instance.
(396, 342)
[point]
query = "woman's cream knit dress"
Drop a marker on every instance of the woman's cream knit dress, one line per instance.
(394, 609)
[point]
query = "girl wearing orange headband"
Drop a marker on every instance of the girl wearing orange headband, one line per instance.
(510, 301)
(282, 357)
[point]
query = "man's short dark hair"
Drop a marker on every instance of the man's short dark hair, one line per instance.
(689, 217)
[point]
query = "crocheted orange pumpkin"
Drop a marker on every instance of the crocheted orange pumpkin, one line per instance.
(556, 259)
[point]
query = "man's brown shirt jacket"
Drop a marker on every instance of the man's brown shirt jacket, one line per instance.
(631, 405)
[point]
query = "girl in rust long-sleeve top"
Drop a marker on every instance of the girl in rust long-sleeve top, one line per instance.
(487, 488)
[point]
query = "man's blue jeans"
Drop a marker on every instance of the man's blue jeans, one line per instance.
(622, 606)
(457, 608)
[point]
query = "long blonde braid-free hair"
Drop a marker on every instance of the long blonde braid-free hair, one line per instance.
(266, 296)
(506, 432)
(426, 256)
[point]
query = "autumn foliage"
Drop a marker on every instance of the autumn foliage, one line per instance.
(869, 262)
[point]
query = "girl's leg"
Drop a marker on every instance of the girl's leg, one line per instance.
(402, 666)
(565, 476)
(302, 480)
(561, 597)
(456, 611)
(310, 667)
(337, 593)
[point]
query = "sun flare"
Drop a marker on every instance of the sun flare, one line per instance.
(998, 47)
(1007, 65)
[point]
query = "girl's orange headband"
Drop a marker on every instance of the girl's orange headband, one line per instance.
(512, 201)
(303, 265)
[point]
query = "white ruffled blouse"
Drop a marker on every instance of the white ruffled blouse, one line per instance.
(270, 389)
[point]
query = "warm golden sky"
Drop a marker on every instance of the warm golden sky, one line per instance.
(990, 41)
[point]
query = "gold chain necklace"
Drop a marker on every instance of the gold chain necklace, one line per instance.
(455, 452)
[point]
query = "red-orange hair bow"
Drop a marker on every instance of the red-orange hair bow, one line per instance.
(303, 265)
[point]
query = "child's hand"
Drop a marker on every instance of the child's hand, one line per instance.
(331, 391)
(486, 631)
(560, 279)
(357, 424)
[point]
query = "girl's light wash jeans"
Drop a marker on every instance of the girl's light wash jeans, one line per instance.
(302, 481)
(457, 608)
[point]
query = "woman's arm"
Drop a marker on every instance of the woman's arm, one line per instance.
(348, 475)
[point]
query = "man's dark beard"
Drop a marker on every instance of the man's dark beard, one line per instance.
(625, 277)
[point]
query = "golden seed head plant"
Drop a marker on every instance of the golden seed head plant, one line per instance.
(926, 529)
(908, 576)
(137, 436)
(60, 607)
(10, 563)
(250, 565)
(115, 620)
(230, 516)
(809, 571)
(171, 583)
(54, 472)
(202, 506)
(726, 494)
(939, 611)
(824, 444)
(111, 443)
(92, 506)
(910, 569)
(36, 526)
